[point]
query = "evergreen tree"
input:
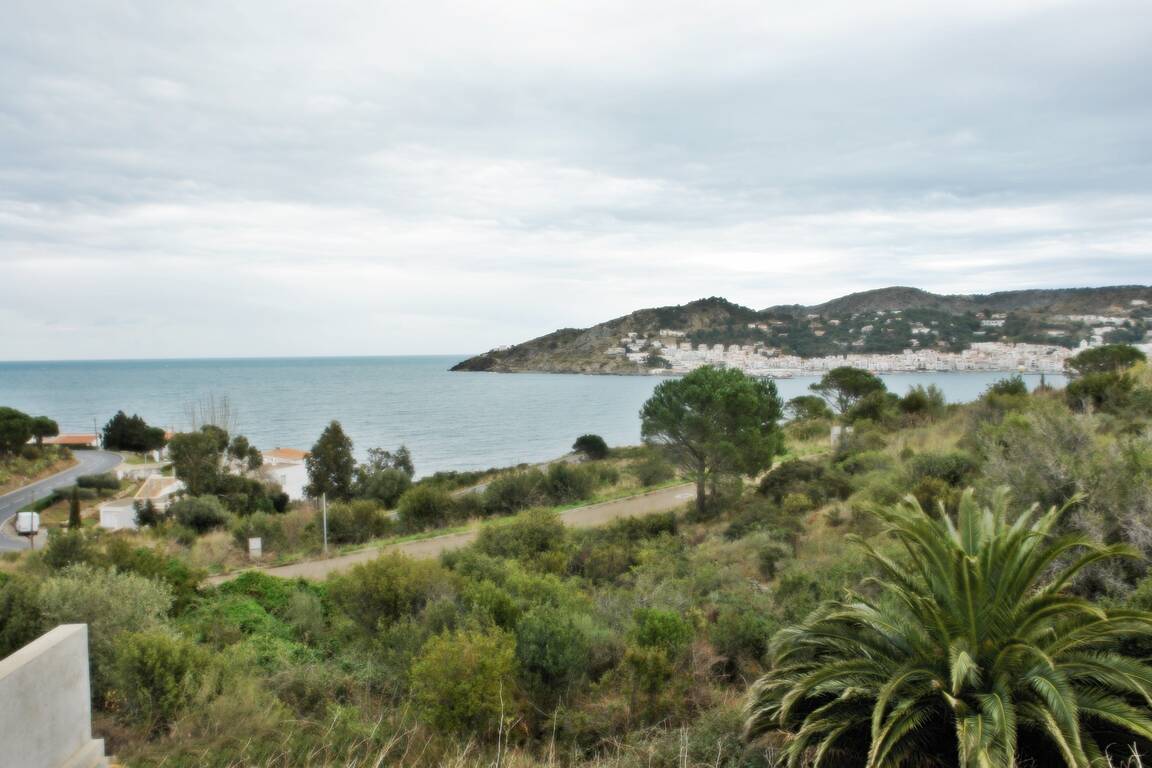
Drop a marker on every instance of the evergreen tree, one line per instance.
(74, 521)
(331, 464)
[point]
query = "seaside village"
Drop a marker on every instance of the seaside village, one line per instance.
(763, 360)
(283, 466)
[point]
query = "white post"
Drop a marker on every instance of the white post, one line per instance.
(324, 512)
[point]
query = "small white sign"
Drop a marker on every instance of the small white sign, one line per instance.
(255, 548)
(27, 523)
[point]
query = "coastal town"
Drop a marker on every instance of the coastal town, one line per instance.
(668, 352)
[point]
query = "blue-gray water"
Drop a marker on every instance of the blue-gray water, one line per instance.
(448, 420)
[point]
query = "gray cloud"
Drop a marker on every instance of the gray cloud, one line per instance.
(288, 178)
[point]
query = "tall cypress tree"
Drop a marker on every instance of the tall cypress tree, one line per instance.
(74, 522)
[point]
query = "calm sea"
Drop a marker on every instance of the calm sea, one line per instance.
(448, 420)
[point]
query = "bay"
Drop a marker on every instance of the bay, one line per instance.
(448, 420)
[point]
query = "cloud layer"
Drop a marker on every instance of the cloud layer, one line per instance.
(260, 178)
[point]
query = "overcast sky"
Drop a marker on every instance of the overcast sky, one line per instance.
(279, 178)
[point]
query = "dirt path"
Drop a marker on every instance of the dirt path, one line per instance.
(593, 515)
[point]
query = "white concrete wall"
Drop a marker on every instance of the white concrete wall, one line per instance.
(116, 515)
(45, 704)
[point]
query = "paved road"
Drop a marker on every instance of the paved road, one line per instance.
(663, 500)
(87, 463)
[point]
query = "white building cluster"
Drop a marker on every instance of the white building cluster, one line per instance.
(759, 360)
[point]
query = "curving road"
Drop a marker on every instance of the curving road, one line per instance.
(592, 515)
(87, 463)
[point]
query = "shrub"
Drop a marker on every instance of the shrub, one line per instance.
(491, 602)
(426, 506)
(653, 469)
(229, 619)
(384, 590)
(154, 564)
(876, 407)
(355, 522)
(465, 681)
(954, 468)
(110, 603)
(269, 528)
(103, 482)
(740, 634)
(200, 513)
(273, 594)
(1013, 386)
(156, 675)
(21, 620)
(865, 461)
(385, 486)
(923, 401)
(532, 534)
(665, 630)
(591, 446)
(1109, 392)
(67, 548)
(552, 649)
(565, 483)
(513, 492)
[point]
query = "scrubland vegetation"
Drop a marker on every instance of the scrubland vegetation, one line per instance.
(889, 599)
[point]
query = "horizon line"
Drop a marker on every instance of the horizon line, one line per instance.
(222, 358)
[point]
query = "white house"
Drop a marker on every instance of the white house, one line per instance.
(286, 468)
(121, 513)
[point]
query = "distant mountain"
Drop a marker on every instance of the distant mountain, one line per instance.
(895, 319)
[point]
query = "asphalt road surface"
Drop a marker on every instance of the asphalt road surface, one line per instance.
(88, 463)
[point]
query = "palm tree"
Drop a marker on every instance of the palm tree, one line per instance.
(967, 653)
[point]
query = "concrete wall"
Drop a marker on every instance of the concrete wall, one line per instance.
(45, 704)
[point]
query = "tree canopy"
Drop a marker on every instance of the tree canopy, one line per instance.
(15, 429)
(1110, 358)
(331, 464)
(131, 433)
(714, 422)
(845, 386)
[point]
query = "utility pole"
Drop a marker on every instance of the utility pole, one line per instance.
(324, 513)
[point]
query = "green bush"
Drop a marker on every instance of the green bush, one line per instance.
(273, 594)
(955, 468)
(110, 603)
(199, 513)
(510, 493)
(926, 402)
(386, 589)
(355, 522)
(565, 483)
(592, 446)
(69, 547)
(156, 675)
(653, 469)
(269, 528)
(104, 482)
(491, 602)
(1109, 392)
(21, 619)
(385, 486)
(182, 580)
(229, 619)
(532, 534)
(552, 649)
(465, 681)
(426, 506)
(665, 630)
(741, 635)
